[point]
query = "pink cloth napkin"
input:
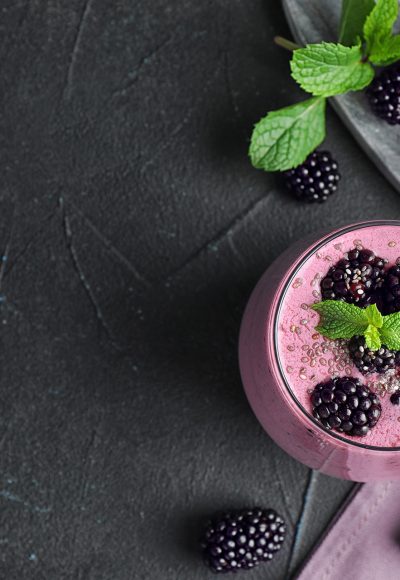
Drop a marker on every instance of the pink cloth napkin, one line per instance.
(363, 543)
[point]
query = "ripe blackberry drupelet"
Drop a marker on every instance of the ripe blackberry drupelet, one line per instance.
(395, 398)
(391, 291)
(315, 179)
(345, 405)
(356, 278)
(241, 540)
(384, 95)
(372, 361)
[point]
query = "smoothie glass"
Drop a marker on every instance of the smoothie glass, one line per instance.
(279, 399)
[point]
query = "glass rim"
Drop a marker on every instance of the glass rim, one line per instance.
(293, 273)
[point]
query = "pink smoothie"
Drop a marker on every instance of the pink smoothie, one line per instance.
(282, 358)
(308, 358)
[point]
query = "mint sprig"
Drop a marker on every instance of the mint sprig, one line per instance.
(373, 315)
(284, 138)
(372, 337)
(342, 320)
(328, 69)
(390, 331)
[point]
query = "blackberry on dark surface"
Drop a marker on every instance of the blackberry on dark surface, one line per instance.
(395, 398)
(384, 95)
(391, 291)
(314, 180)
(345, 405)
(357, 278)
(372, 361)
(242, 539)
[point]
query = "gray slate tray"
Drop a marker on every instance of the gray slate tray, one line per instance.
(316, 20)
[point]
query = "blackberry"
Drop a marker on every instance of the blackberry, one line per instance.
(384, 94)
(315, 179)
(372, 361)
(395, 398)
(241, 540)
(391, 291)
(356, 278)
(345, 405)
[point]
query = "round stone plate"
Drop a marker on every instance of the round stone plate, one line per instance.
(317, 20)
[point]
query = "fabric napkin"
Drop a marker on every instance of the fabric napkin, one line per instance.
(363, 542)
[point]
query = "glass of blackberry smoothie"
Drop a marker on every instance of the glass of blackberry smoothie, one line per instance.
(319, 351)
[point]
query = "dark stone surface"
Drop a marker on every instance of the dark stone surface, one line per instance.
(133, 229)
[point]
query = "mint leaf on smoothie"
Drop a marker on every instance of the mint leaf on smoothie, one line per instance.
(340, 319)
(372, 337)
(390, 331)
(374, 316)
(328, 69)
(353, 16)
(284, 138)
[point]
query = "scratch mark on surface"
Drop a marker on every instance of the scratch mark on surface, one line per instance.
(111, 248)
(82, 278)
(29, 243)
(134, 75)
(234, 248)
(228, 231)
(281, 487)
(6, 252)
(228, 78)
(9, 496)
(75, 49)
(4, 435)
(308, 494)
(231, 92)
(83, 488)
(189, 114)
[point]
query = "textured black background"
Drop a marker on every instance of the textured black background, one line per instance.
(133, 229)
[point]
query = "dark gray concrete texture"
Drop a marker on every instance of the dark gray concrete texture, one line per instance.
(133, 229)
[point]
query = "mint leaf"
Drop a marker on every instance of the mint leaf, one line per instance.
(284, 138)
(374, 316)
(386, 51)
(327, 69)
(379, 23)
(354, 14)
(372, 337)
(340, 320)
(390, 331)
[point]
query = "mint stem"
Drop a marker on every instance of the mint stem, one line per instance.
(285, 43)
